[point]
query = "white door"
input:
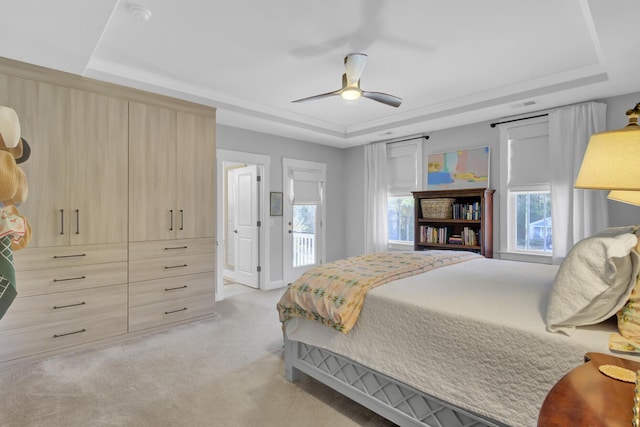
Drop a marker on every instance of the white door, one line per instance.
(303, 215)
(245, 212)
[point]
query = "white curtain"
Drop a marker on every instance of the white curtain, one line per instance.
(375, 197)
(576, 214)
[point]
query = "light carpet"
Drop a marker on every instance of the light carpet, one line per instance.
(222, 371)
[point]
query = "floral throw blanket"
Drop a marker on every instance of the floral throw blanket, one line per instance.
(333, 293)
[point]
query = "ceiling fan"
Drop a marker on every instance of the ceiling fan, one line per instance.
(354, 65)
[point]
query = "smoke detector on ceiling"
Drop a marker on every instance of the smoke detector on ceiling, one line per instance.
(140, 13)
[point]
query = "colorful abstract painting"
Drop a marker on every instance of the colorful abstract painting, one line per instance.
(458, 169)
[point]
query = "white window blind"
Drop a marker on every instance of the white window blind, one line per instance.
(528, 148)
(402, 167)
(307, 187)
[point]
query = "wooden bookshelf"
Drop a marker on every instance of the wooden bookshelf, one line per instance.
(469, 226)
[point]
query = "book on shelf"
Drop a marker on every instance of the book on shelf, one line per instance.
(469, 237)
(455, 239)
(469, 211)
(437, 235)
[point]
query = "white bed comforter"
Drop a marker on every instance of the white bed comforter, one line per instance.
(472, 334)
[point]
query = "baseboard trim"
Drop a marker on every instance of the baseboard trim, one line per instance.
(275, 284)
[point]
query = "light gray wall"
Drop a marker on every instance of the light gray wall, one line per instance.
(469, 136)
(354, 201)
(345, 176)
(230, 138)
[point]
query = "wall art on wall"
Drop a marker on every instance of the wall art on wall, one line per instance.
(276, 203)
(468, 168)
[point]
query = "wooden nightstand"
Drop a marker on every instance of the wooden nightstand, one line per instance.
(586, 397)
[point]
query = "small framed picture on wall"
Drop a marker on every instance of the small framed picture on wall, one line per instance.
(276, 203)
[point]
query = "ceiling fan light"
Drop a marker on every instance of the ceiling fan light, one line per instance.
(351, 94)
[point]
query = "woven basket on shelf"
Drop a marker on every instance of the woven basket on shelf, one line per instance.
(437, 208)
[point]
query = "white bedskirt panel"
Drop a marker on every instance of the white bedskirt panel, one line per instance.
(472, 334)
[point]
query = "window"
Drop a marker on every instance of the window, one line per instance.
(304, 235)
(404, 166)
(400, 215)
(525, 190)
(533, 221)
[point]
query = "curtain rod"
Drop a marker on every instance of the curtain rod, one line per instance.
(516, 120)
(393, 141)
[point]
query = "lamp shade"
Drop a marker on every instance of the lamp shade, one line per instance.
(631, 197)
(612, 161)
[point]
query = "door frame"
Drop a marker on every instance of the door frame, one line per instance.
(263, 162)
(308, 165)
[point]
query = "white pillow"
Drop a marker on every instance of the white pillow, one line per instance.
(593, 282)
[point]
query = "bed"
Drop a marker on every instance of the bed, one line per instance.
(464, 344)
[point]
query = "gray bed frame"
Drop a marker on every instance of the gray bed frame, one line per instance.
(390, 398)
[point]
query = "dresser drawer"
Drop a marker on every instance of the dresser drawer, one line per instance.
(67, 256)
(170, 248)
(170, 267)
(65, 306)
(53, 336)
(49, 280)
(162, 313)
(164, 290)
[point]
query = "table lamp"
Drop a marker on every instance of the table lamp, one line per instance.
(612, 162)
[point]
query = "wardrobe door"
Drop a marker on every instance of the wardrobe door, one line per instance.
(196, 174)
(43, 111)
(99, 167)
(152, 173)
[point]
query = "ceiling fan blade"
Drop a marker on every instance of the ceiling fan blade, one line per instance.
(324, 95)
(354, 64)
(391, 100)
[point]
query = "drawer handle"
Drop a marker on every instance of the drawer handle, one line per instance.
(55, 307)
(174, 248)
(68, 256)
(70, 278)
(176, 311)
(69, 333)
(175, 266)
(173, 289)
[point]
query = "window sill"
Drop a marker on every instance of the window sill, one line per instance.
(399, 246)
(526, 257)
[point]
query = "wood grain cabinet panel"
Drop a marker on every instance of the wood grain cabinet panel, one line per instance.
(65, 306)
(69, 256)
(196, 177)
(170, 267)
(121, 204)
(170, 249)
(152, 172)
(155, 291)
(62, 279)
(48, 337)
(98, 192)
(172, 174)
(43, 110)
(166, 312)
(77, 171)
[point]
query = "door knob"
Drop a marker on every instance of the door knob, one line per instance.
(235, 231)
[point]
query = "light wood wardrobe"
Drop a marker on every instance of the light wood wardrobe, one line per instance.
(122, 207)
